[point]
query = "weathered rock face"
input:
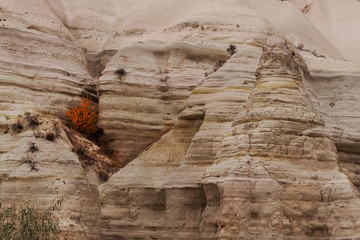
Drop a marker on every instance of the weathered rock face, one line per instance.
(144, 103)
(42, 69)
(261, 144)
(285, 176)
(40, 169)
(271, 171)
(171, 170)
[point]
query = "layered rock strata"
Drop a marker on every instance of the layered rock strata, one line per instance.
(172, 168)
(140, 105)
(38, 166)
(273, 177)
(41, 68)
(333, 86)
(265, 173)
(217, 155)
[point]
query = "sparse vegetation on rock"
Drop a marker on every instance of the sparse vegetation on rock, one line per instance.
(17, 127)
(120, 72)
(219, 65)
(98, 158)
(32, 120)
(29, 161)
(50, 136)
(32, 164)
(231, 49)
(32, 147)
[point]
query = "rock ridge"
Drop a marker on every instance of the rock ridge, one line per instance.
(261, 143)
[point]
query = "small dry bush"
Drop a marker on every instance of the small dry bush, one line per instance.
(84, 118)
(231, 49)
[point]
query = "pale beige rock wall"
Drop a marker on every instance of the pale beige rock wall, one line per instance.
(286, 178)
(42, 68)
(266, 147)
(56, 173)
(172, 168)
(275, 158)
(141, 106)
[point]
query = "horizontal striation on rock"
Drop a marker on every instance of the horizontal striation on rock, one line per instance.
(333, 86)
(129, 201)
(260, 144)
(38, 169)
(219, 99)
(288, 181)
(41, 68)
(172, 168)
(138, 107)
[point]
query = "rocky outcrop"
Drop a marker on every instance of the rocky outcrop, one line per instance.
(271, 171)
(285, 177)
(171, 170)
(43, 71)
(142, 104)
(41, 68)
(260, 144)
(333, 87)
(38, 165)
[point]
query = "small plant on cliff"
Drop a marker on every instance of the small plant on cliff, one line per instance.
(32, 147)
(50, 136)
(84, 118)
(17, 127)
(33, 120)
(231, 49)
(120, 72)
(218, 65)
(28, 222)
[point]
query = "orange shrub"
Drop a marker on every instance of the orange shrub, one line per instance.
(84, 118)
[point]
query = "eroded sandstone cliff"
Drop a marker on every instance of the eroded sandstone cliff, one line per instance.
(260, 144)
